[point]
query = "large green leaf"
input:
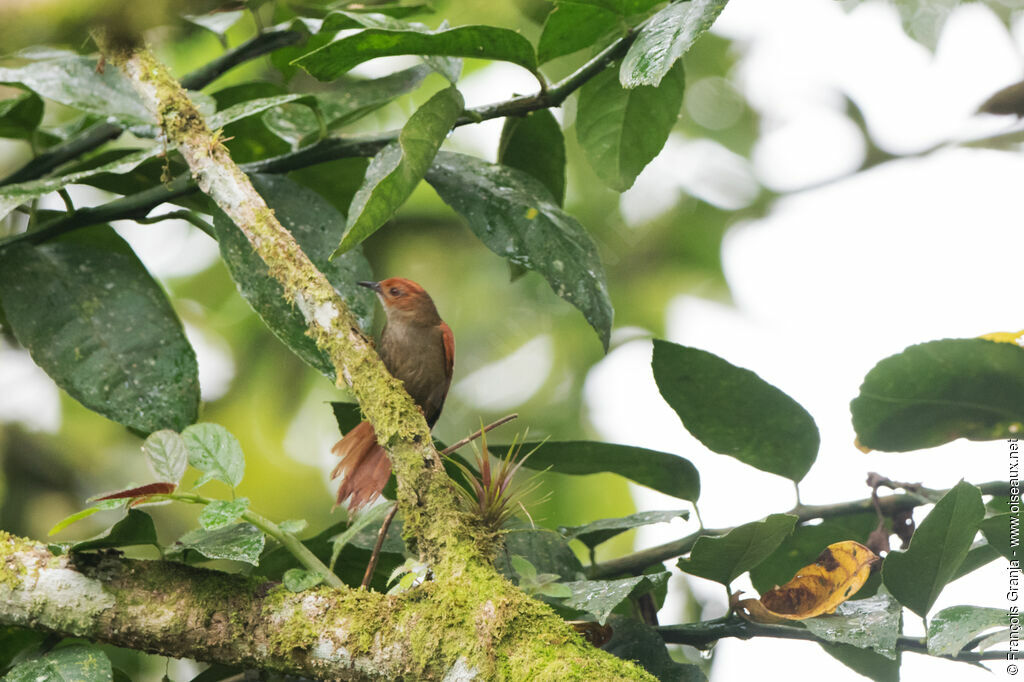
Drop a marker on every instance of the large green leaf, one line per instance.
(136, 528)
(572, 26)
(20, 116)
(867, 662)
(725, 558)
(74, 81)
(951, 629)
(1003, 533)
(866, 623)
(594, 533)
(73, 663)
(515, 217)
(240, 542)
(533, 143)
(916, 576)
(664, 472)
(545, 549)
(316, 226)
(598, 598)
(622, 130)
(735, 412)
(98, 324)
(213, 450)
(669, 34)
(222, 513)
(396, 170)
(480, 42)
(939, 391)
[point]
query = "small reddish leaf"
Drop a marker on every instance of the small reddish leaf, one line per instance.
(140, 491)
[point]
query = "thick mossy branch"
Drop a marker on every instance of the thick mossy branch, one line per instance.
(181, 611)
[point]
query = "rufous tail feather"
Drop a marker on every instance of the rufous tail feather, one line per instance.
(364, 465)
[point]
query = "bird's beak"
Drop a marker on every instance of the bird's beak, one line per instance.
(373, 286)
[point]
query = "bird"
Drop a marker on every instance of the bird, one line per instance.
(417, 348)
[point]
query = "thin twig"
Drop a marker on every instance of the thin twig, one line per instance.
(384, 527)
(476, 434)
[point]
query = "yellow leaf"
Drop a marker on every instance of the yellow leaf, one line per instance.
(1005, 337)
(836, 576)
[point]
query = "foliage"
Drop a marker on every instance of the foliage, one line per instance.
(77, 296)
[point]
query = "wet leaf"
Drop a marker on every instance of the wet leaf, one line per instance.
(547, 552)
(939, 391)
(166, 455)
(950, 630)
(20, 116)
(73, 663)
(599, 598)
(479, 42)
(300, 579)
(136, 528)
(533, 143)
(109, 336)
(316, 226)
(515, 217)
(866, 623)
(216, 452)
(221, 513)
(725, 558)
(940, 544)
(635, 641)
(240, 542)
(621, 130)
(397, 169)
(734, 412)
(573, 26)
(661, 471)
(666, 38)
(596, 532)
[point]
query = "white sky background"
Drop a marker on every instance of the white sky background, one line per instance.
(837, 278)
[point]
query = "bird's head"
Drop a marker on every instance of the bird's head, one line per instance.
(405, 301)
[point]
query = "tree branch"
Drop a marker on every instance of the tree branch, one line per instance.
(638, 561)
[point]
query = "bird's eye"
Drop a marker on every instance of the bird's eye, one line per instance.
(395, 291)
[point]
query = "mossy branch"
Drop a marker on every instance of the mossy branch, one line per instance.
(468, 612)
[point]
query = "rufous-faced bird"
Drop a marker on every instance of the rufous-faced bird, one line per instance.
(418, 348)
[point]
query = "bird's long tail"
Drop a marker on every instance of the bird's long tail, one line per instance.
(364, 465)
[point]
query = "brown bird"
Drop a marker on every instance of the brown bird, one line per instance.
(418, 348)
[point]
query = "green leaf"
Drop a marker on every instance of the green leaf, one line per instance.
(479, 42)
(12, 196)
(980, 554)
(635, 641)
(805, 544)
(916, 576)
(136, 528)
(546, 550)
(240, 542)
(515, 217)
(73, 518)
(73, 663)
(939, 391)
(622, 130)
(523, 568)
(1003, 533)
(20, 116)
(533, 143)
(370, 517)
(293, 526)
(951, 629)
(354, 99)
(166, 455)
(600, 597)
(396, 170)
(669, 34)
(596, 532)
(75, 82)
(109, 336)
(252, 107)
(572, 26)
(221, 513)
(735, 412)
(865, 623)
(315, 224)
(216, 452)
(217, 23)
(17, 642)
(725, 558)
(300, 579)
(661, 471)
(867, 662)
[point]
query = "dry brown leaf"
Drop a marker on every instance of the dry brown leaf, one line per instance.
(833, 578)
